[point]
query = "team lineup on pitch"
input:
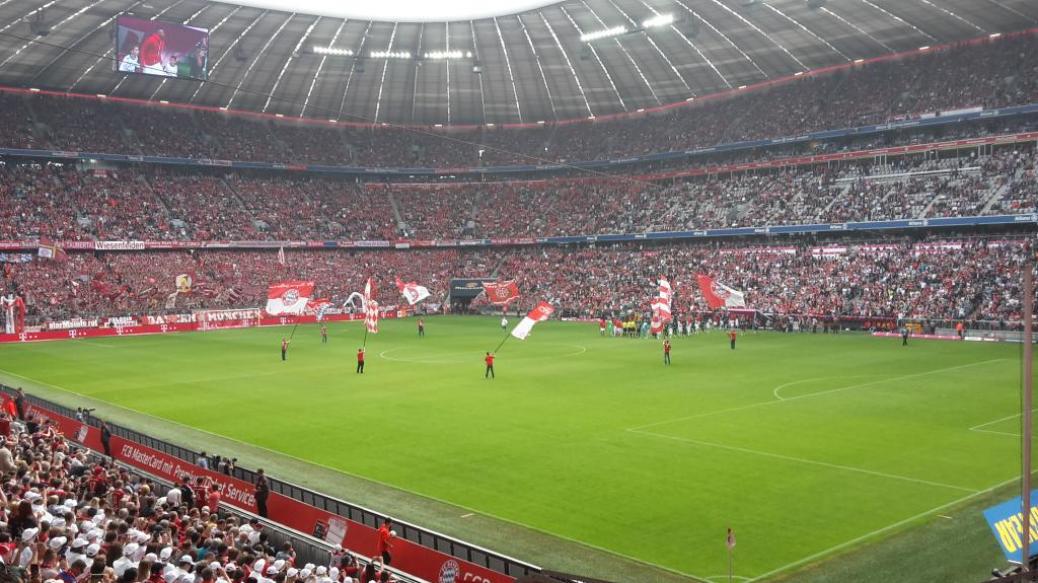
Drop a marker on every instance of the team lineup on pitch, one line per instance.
(606, 434)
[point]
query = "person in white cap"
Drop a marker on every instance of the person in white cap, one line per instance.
(27, 553)
(126, 561)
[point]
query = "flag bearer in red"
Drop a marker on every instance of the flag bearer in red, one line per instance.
(489, 360)
(666, 352)
(731, 337)
(284, 347)
(360, 360)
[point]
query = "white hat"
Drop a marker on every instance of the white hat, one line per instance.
(29, 534)
(279, 564)
(292, 572)
(130, 549)
(310, 566)
(58, 522)
(70, 503)
(57, 542)
(259, 565)
(93, 535)
(186, 559)
(79, 543)
(348, 580)
(170, 575)
(165, 554)
(321, 571)
(151, 557)
(272, 570)
(33, 496)
(304, 573)
(92, 550)
(334, 573)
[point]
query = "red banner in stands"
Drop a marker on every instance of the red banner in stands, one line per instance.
(408, 556)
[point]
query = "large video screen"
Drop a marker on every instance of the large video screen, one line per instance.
(164, 49)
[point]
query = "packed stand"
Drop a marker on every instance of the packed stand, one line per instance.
(990, 74)
(958, 279)
(74, 516)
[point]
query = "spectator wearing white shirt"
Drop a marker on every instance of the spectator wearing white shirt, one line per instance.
(131, 63)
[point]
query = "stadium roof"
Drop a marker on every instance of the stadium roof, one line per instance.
(534, 65)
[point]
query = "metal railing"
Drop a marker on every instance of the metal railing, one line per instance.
(425, 537)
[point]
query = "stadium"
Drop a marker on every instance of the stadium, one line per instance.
(527, 291)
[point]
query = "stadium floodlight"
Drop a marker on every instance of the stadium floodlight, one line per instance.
(333, 52)
(599, 34)
(658, 20)
(446, 55)
(390, 54)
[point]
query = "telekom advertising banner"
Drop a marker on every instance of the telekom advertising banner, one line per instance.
(408, 556)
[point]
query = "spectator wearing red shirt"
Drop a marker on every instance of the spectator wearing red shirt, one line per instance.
(731, 337)
(490, 366)
(360, 361)
(385, 541)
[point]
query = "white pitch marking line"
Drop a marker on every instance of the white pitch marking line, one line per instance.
(468, 515)
(815, 394)
(889, 527)
(944, 516)
(775, 391)
(1000, 419)
(803, 460)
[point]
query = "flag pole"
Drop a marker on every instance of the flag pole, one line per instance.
(1026, 414)
(507, 336)
(290, 336)
(365, 343)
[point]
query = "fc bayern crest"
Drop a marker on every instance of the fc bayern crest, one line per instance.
(290, 297)
(449, 571)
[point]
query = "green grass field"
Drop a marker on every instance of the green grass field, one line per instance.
(807, 445)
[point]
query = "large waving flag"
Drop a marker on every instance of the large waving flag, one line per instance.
(538, 314)
(289, 297)
(371, 316)
(661, 304)
(718, 295)
(501, 293)
(412, 292)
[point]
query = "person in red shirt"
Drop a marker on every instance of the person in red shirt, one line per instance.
(284, 347)
(385, 540)
(213, 499)
(152, 48)
(360, 361)
(490, 366)
(731, 337)
(666, 352)
(421, 328)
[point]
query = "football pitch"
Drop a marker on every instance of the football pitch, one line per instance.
(805, 444)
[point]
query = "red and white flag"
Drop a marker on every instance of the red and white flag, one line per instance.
(501, 293)
(412, 292)
(718, 295)
(289, 297)
(369, 290)
(661, 304)
(538, 314)
(371, 316)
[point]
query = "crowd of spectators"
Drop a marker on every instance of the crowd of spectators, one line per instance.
(62, 203)
(990, 74)
(70, 516)
(947, 279)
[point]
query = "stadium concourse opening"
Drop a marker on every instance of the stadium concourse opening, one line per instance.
(640, 291)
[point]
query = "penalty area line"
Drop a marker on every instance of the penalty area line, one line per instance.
(889, 527)
(804, 461)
